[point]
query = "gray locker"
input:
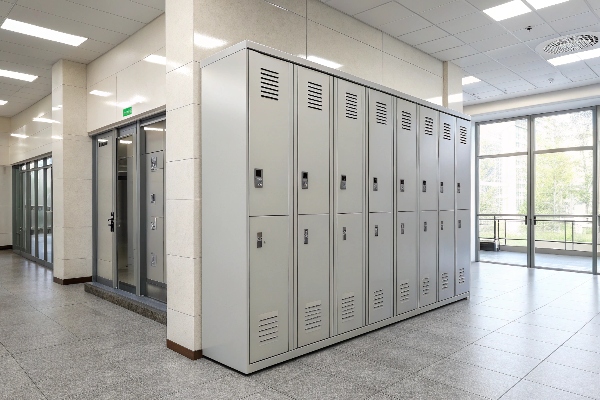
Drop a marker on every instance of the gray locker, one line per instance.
(269, 286)
(428, 158)
(463, 165)
(406, 148)
(463, 251)
(407, 262)
(428, 243)
(270, 135)
(446, 161)
(446, 255)
(349, 272)
(313, 102)
(313, 278)
(381, 148)
(155, 245)
(381, 266)
(155, 186)
(349, 136)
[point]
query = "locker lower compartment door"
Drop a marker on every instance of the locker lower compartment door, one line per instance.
(381, 266)
(155, 191)
(155, 256)
(269, 286)
(407, 263)
(463, 251)
(428, 258)
(349, 272)
(313, 278)
(446, 257)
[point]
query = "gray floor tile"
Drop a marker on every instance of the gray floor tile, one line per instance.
(360, 344)
(284, 372)
(584, 342)
(17, 344)
(495, 312)
(535, 391)
(591, 329)
(534, 332)
(225, 387)
(400, 357)
(518, 345)
(575, 358)
(268, 395)
(566, 378)
(431, 343)
(496, 360)
(14, 382)
(551, 322)
(461, 333)
(421, 388)
(566, 314)
(477, 321)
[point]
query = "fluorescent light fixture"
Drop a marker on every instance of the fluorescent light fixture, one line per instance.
(571, 58)
(322, 61)
(100, 93)
(153, 129)
(43, 33)
(17, 75)
(45, 120)
(208, 42)
(19, 135)
(103, 140)
(467, 80)
(125, 141)
(3, 102)
(507, 10)
(539, 4)
(155, 59)
(56, 137)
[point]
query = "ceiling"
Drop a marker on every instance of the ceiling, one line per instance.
(501, 54)
(105, 23)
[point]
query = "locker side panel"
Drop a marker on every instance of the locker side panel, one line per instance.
(348, 272)
(406, 130)
(463, 145)
(428, 158)
(349, 136)
(381, 273)
(270, 135)
(446, 255)
(463, 251)
(446, 161)
(314, 115)
(381, 181)
(407, 262)
(428, 258)
(313, 278)
(269, 286)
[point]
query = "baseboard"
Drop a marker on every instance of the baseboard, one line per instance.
(7, 247)
(184, 351)
(72, 281)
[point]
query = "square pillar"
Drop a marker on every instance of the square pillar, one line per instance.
(453, 91)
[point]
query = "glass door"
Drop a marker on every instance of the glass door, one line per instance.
(104, 210)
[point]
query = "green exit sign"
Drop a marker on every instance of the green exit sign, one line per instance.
(127, 111)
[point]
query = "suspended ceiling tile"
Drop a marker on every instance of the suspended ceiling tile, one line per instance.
(26, 60)
(423, 5)
(508, 51)
(448, 42)
(544, 80)
(590, 28)
(580, 74)
(158, 4)
(490, 65)
(423, 35)
(500, 78)
(535, 68)
(404, 26)
(384, 14)
(594, 3)
(519, 89)
(447, 12)
(536, 32)
(471, 60)
(535, 42)
(575, 22)
(498, 42)
(520, 59)
(134, 10)
(481, 33)
(5, 7)
(485, 4)
(466, 23)
(564, 10)
(456, 52)
(350, 7)
(522, 21)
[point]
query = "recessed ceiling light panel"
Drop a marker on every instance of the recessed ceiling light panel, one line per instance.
(17, 75)
(19, 135)
(507, 10)
(3, 102)
(539, 4)
(467, 80)
(100, 93)
(42, 33)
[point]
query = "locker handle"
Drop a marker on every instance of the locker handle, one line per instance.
(153, 164)
(458, 188)
(343, 183)
(153, 198)
(401, 185)
(425, 226)
(441, 225)
(376, 230)
(306, 236)
(344, 233)
(111, 221)
(258, 178)
(424, 186)
(259, 240)
(304, 180)
(402, 228)
(459, 224)
(375, 185)
(441, 187)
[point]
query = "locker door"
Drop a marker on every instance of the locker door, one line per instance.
(349, 144)
(381, 165)
(313, 141)
(446, 161)
(269, 286)
(313, 278)
(270, 135)
(406, 144)
(155, 178)
(446, 257)
(463, 165)
(428, 158)
(154, 221)
(463, 251)
(381, 266)
(407, 267)
(348, 272)
(155, 246)
(428, 258)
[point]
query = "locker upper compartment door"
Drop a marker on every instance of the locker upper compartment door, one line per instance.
(381, 166)
(406, 143)
(270, 135)
(463, 165)
(314, 116)
(446, 161)
(428, 158)
(349, 145)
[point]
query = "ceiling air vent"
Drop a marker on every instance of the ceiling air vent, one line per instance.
(568, 44)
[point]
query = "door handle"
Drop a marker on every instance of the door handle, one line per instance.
(111, 221)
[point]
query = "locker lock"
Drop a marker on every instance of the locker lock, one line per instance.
(153, 224)
(425, 226)
(458, 188)
(306, 236)
(442, 225)
(153, 163)
(152, 260)
(441, 187)
(304, 180)
(402, 228)
(344, 233)
(258, 178)
(343, 183)
(153, 198)
(459, 224)
(376, 230)
(375, 185)
(259, 240)
(402, 185)
(424, 186)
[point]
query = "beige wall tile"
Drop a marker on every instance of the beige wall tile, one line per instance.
(179, 32)
(77, 199)
(184, 329)
(182, 179)
(183, 228)
(69, 73)
(184, 294)
(76, 268)
(409, 79)
(185, 81)
(183, 133)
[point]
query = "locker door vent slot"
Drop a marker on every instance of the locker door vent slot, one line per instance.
(445, 280)
(447, 132)
(268, 327)
(348, 307)
(406, 121)
(381, 113)
(428, 126)
(377, 299)
(463, 135)
(269, 84)
(425, 286)
(315, 96)
(461, 276)
(404, 292)
(312, 316)
(351, 106)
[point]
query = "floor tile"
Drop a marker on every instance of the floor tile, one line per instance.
(566, 314)
(551, 322)
(431, 343)
(591, 329)
(534, 332)
(477, 321)
(319, 385)
(584, 342)
(224, 388)
(400, 357)
(268, 395)
(496, 360)
(457, 332)
(566, 378)
(421, 388)
(495, 312)
(534, 391)
(575, 358)
(517, 345)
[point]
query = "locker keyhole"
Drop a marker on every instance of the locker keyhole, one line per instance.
(424, 226)
(259, 240)
(153, 198)
(376, 230)
(402, 229)
(306, 236)
(441, 187)
(344, 233)
(304, 180)
(402, 185)
(458, 188)
(459, 223)
(375, 185)
(424, 186)
(258, 178)
(343, 183)
(442, 225)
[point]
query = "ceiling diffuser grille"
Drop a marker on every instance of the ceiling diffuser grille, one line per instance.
(571, 43)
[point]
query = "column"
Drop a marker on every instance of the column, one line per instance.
(6, 185)
(453, 92)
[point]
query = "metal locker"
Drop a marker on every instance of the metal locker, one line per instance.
(381, 266)
(381, 148)
(446, 255)
(155, 247)
(349, 136)
(463, 251)
(349, 272)
(428, 158)
(270, 135)
(407, 262)
(428, 258)
(446, 161)
(406, 148)
(313, 102)
(155, 186)
(269, 286)
(463, 165)
(313, 278)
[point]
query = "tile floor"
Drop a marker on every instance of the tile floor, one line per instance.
(573, 263)
(524, 334)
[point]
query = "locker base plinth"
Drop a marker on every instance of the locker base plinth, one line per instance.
(269, 362)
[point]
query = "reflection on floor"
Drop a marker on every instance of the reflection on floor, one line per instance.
(524, 334)
(573, 263)
(41, 246)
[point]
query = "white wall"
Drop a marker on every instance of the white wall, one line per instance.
(39, 140)
(5, 185)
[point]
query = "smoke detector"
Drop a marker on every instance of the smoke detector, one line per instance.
(569, 43)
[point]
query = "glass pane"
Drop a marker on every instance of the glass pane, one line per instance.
(125, 213)
(564, 130)
(32, 214)
(49, 215)
(503, 137)
(24, 230)
(40, 163)
(40, 213)
(104, 187)
(503, 185)
(49, 161)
